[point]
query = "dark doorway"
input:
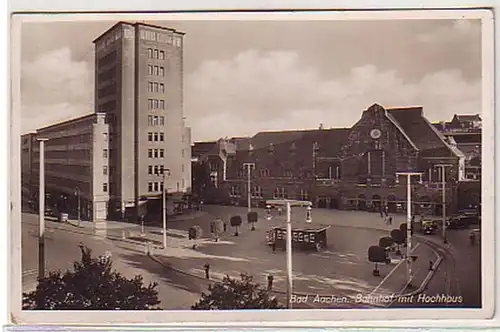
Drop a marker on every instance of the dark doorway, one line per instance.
(376, 203)
(362, 202)
(322, 203)
(391, 204)
(334, 203)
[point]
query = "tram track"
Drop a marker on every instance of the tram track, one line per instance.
(446, 272)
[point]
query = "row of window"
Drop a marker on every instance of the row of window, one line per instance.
(156, 169)
(106, 91)
(156, 137)
(156, 87)
(156, 153)
(107, 59)
(256, 191)
(156, 104)
(156, 120)
(107, 74)
(160, 37)
(107, 107)
(156, 70)
(156, 54)
(155, 186)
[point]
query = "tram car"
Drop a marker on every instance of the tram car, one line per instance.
(304, 237)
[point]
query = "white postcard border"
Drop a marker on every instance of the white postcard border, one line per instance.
(270, 318)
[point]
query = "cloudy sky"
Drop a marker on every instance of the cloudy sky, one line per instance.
(242, 77)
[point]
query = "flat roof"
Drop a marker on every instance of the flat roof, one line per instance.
(303, 226)
(135, 24)
(83, 117)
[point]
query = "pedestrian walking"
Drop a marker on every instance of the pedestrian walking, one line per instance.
(270, 279)
(390, 220)
(386, 210)
(207, 271)
(472, 238)
(273, 245)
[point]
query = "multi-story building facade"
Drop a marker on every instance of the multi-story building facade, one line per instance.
(209, 168)
(76, 166)
(27, 143)
(348, 168)
(464, 132)
(139, 85)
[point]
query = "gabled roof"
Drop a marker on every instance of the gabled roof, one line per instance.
(420, 132)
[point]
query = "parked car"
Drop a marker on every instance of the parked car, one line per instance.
(471, 214)
(458, 221)
(428, 227)
(51, 212)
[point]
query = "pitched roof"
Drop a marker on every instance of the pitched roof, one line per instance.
(417, 128)
(332, 138)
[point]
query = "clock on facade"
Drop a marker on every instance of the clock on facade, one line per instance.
(375, 133)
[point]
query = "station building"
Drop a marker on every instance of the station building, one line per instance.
(347, 168)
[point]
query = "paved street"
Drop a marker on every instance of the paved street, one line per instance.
(62, 250)
(341, 270)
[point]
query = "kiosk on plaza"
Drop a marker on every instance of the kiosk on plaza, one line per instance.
(305, 236)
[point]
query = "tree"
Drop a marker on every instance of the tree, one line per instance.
(236, 294)
(216, 228)
(377, 254)
(386, 242)
(403, 228)
(235, 222)
(195, 233)
(252, 218)
(93, 285)
(399, 238)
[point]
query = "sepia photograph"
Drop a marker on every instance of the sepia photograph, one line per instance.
(253, 162)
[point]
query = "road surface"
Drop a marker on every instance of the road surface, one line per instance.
(61, 247)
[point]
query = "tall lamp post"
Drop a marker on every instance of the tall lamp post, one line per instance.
(443, 184)
(288, 203)
(41, 210)
(77, 194)
(408, 219)
(166, 173)
(249, 167)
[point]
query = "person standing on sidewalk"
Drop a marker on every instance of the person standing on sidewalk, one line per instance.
(270, 279)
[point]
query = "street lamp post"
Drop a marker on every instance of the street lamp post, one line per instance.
(166, 173)
(408, 219)
(289, 204)
(77, 194)
(443, 184)
(41, 210)
(249, 167)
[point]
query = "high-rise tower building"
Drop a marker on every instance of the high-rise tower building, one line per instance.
(139, 85)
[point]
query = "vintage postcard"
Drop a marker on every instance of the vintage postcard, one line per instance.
(312, 166)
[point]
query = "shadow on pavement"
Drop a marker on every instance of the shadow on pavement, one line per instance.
(166, 275)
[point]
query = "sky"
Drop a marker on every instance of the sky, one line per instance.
(242, 77)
